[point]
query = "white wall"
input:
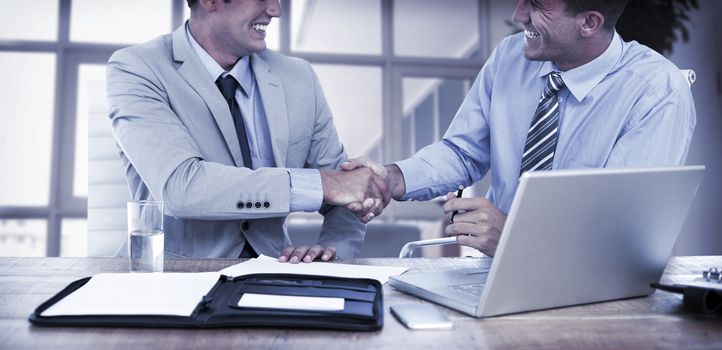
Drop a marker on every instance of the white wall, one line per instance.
(701, 234)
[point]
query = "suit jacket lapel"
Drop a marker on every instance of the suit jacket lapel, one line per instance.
(192, 70)
(273, 98)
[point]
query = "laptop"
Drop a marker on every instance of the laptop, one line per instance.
(572, 237)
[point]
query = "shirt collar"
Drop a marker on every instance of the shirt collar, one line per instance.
(241, 70)
(581, 80)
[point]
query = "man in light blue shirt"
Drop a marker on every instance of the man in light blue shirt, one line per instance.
(620, 105)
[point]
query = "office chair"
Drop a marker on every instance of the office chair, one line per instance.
(407, 250)
(108, 190)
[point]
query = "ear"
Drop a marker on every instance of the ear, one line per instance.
(591, 22)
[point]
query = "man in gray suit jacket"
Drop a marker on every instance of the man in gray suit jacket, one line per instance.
(231, 164)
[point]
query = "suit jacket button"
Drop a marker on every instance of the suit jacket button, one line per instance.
(258, 205)
(239, 205)
(249, 205)
(266, 204)
(245, 225)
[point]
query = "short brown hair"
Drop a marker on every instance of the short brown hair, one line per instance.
(610, 9)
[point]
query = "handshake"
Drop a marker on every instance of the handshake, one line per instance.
(363, 187)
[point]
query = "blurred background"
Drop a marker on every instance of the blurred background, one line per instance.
(394, 73)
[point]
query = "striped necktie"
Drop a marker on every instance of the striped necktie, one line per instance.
(541, 141)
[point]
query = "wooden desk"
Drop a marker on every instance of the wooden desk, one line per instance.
(657, 321)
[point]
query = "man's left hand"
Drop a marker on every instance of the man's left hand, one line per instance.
(478, 226)
(306, 254)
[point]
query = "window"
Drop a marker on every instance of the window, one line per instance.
(35, 20)
(26, 128)
(354, 96)
(23, 237)
(336, 26)
(119, 22)
(429, 105)
(393, 72)
(433, 28)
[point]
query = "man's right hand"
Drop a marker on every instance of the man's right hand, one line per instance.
(361, 186)
(478, 226)
(390, 174)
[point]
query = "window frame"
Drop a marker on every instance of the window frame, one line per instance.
(68, 57)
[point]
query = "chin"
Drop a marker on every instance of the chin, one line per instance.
(258, 48)
(530, 55)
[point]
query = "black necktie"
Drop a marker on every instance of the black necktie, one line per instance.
(228, 86)
(541, 140)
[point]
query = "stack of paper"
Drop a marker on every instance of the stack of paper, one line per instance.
(266, 264)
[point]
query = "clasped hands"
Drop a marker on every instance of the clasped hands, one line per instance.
(366, 187)
(362, 186)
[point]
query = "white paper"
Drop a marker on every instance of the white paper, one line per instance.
(265, 264)
(291, 302)
(175, 294)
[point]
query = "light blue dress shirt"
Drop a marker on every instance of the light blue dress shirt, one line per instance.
(629, 107)
(306, 186)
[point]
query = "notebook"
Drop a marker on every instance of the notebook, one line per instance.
(572, 237)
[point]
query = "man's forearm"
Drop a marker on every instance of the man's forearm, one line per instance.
(395, 181)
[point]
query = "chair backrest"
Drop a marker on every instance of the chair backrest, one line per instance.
(108, 190)
(689, 75)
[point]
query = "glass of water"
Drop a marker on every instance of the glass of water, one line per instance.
(145, 236)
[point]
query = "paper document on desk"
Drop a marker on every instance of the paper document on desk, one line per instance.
(175, 294)
(291, 302)
(266, 264)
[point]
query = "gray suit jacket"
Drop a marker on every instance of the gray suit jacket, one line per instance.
(178, 143)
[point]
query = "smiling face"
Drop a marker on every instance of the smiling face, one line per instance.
(239, 26)
(550, 33)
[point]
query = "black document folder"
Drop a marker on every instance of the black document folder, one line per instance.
(703, 294)
(362, 306)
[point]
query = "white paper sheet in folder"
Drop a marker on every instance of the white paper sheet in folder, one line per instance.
(266, 264)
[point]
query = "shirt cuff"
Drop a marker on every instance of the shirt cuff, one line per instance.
(306, 190)
(415, 176)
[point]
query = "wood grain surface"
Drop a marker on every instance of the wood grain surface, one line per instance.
(657, 321)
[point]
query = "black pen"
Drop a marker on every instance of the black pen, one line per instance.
(458, 195)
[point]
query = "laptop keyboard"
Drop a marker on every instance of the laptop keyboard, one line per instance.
(471, 289)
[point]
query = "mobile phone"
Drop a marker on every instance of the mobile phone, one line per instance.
(421, 316)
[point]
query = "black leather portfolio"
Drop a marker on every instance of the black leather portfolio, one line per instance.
(362, 305)
(702, 294)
